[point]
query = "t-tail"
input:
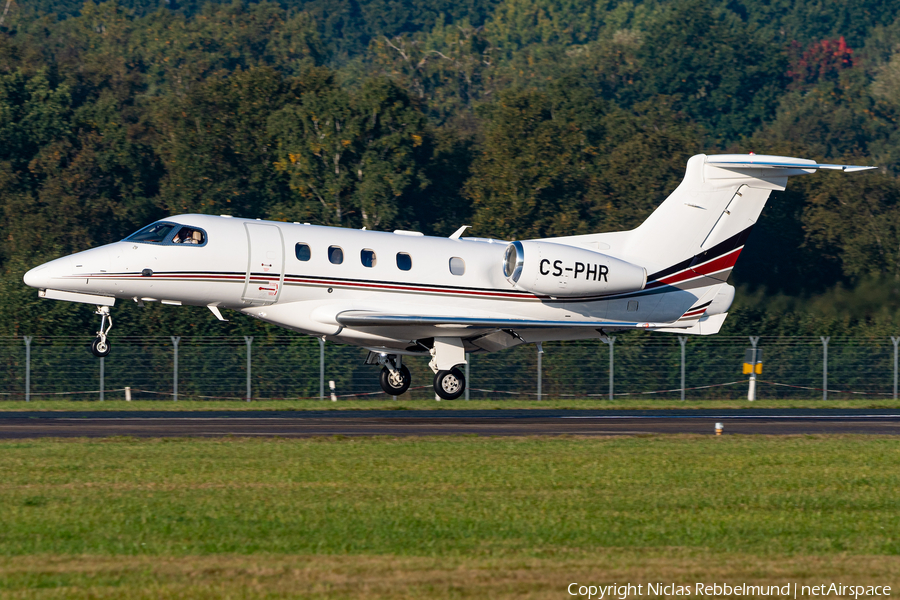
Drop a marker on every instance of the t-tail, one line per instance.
(692, 241)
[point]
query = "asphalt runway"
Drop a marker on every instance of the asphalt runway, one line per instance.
(36, 424)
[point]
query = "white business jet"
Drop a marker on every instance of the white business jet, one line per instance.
(405, 294)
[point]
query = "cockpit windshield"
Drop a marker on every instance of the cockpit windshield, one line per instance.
(162, 233)
(153, 234)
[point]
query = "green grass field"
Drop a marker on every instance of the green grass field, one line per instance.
(441, 517)
(385, 403)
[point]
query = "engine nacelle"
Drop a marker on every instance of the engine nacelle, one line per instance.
(552, 269)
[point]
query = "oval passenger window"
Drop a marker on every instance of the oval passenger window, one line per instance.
(404, 261)
(303, 252)
(335, 255)
(457, 265)
(367, 257)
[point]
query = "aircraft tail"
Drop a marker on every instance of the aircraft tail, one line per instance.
(701, 228)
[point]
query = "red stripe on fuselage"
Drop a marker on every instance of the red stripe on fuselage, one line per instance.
(726, 261)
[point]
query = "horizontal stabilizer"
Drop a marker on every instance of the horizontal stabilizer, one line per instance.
(709, 325)
(744, 161)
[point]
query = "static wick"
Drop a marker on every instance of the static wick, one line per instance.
(719, 428)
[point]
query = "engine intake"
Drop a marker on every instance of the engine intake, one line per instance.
(552, 269)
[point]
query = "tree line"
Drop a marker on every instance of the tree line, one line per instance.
(522, 118)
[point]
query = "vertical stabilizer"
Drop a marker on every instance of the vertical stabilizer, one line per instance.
(704, 223)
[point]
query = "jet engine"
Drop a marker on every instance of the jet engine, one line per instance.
(550, 269)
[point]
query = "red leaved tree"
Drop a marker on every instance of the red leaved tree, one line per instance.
(821, 61)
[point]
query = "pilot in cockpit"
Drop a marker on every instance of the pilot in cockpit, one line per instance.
(188, 236)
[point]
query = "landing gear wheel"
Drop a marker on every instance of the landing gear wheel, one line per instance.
(100, 347)
(395, 382)
(449, 385)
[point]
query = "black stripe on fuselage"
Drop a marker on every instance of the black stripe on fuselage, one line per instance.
(720, 249)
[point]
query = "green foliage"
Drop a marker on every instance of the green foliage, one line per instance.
(521, 117)
(215, 148)
(562, 162)
(351, 158)
(449, 69)
(717, 68)
(529, 179)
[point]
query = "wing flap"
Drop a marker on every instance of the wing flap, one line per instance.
(356, 319)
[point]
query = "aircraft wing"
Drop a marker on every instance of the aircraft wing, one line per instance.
(363, 319)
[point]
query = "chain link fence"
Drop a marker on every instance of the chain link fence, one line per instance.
(638, 364)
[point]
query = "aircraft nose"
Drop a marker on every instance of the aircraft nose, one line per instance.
(37, 277)
(41, 276)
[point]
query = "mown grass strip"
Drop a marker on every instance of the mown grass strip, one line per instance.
(530, 497)
(390, 577)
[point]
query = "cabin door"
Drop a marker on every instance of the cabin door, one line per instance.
(265, 269)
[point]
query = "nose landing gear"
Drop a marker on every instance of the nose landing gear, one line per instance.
(100, 346)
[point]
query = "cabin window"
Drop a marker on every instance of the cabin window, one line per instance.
(335, 255)
(190, 236)
(152, 234)
(404, 261)
(457, 265)
(367, 257)
(302, 251)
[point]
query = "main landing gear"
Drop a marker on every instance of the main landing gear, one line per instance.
(447, 354)
(395, 377)
(449, 385)
(100, 346)
(395, 381)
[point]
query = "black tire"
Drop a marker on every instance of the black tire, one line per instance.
(389, 381)
(449, 385)
(100, 348)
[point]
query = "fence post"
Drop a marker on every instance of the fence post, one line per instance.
(467, 375)
(28, 339)
(682, 339)
(102, 376)
(249, 340)
(751, 390)
(611, 340)
(175, 340)
(895, 341)
(824, 339)
(540, 355)
(321, 368)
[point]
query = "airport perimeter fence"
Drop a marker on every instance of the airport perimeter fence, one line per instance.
(632, 365)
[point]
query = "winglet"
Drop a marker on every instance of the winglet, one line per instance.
(459, 232)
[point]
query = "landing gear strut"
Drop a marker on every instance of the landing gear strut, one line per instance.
(447, 354)
(100, 346)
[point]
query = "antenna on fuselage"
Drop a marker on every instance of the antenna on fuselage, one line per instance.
(459, 232)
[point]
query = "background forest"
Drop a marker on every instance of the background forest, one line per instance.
(522, 118)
